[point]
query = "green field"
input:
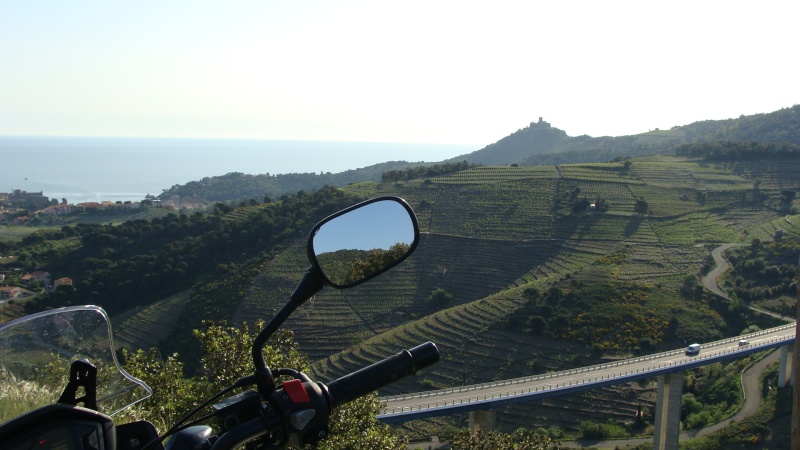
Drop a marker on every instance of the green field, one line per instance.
(13, 234)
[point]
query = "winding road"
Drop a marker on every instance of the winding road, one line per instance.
(752, 399)
(749, 379)
(709, 281)
(750, 376)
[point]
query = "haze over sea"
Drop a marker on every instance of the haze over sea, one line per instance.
(118, 169)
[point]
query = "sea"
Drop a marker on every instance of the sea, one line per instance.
(81, 169)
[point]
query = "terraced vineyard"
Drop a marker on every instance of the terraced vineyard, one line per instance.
(694, 228)
(767, 231)
(618, 194)
(468, 269)
(493, 174)
(608, 172)
(664, 171)
(775, 175)
(494, 234)
(645, 263)
(607, 227)
(494, 238)
(147, 327)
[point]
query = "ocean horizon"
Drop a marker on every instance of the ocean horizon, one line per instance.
(81, 169)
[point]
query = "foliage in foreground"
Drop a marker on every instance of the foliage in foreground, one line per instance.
(519, 440)
(226, 358)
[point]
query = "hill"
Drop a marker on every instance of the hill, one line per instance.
(540, 143)
(238, 186)
(537, 262)
(499, 239)
(537, 144)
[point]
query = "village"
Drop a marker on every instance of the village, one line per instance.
(18, 207)
(22, 208)
(29, 284)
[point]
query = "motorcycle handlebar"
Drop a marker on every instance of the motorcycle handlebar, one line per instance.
(382, 373)
(240, 435)
(342, 390)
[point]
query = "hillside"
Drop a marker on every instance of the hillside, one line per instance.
(538, 144)
(500, 239)
(535, 273)
(237, 186)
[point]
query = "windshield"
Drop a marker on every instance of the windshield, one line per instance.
(35, 356)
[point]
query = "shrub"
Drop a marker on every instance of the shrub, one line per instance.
(440, 296)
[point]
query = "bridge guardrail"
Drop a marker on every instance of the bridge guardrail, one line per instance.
(571, 382)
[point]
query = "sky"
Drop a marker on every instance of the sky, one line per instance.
(438, 72)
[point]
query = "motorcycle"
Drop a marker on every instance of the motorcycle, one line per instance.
(345, 249)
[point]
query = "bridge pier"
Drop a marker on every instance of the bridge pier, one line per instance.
(786, 375)
(481, 420)
(668, 412)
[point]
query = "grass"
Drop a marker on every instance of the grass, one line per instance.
(9, 234)
(17, 397)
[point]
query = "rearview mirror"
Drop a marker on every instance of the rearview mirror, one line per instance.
(363, 241)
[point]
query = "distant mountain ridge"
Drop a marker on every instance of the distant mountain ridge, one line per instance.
(237, 186)
(537, 144)
(542, 144)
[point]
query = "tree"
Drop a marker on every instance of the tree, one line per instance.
(787, 197)
(226, 358)
(641, 206)
(502, 441)
(581, 205)
(536, 325)
(440, 296)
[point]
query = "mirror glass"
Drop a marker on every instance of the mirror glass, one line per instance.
(364, 242)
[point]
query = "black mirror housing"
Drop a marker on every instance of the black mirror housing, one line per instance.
(362, 241)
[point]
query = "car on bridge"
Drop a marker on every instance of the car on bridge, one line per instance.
(693, 349)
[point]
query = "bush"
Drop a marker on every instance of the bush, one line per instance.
(226, 358)
(440, 296)
(608, 430)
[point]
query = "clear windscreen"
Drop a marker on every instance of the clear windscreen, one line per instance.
(36, 352)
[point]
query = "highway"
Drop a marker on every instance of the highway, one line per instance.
(401, 408)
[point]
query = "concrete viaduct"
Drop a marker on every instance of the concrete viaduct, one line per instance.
(480, 400)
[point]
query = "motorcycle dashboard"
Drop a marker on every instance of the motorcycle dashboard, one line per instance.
(59, 427)
(36, 353)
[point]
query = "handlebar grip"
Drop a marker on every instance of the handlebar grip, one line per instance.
(382, 373)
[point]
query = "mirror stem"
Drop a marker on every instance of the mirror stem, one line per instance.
(310, 284)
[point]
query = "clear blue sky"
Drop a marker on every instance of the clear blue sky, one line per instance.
(449, 72)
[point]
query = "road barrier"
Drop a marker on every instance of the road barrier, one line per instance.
(623, 374)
